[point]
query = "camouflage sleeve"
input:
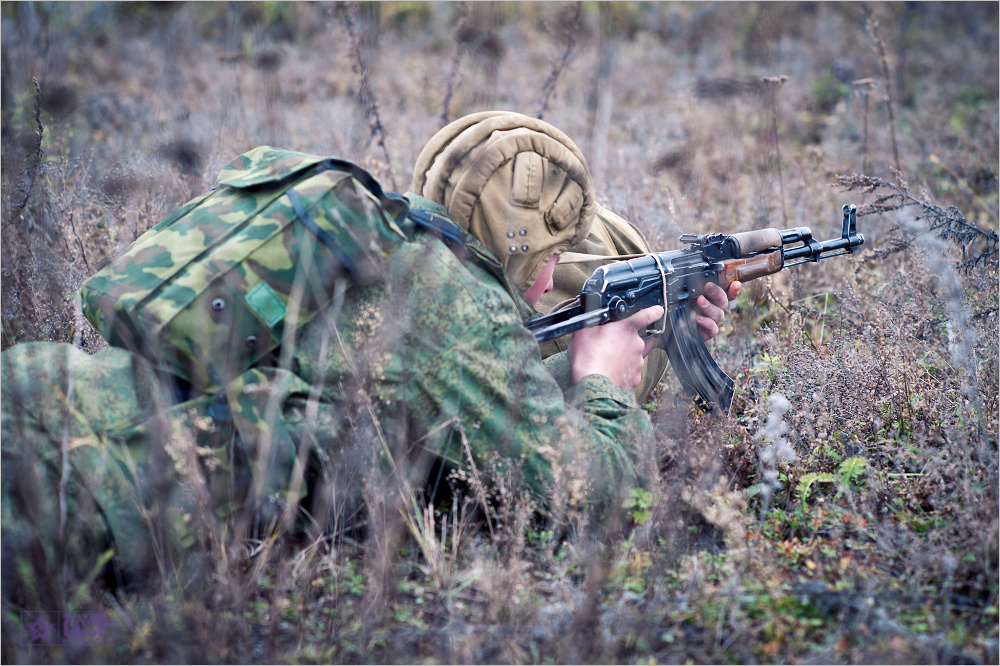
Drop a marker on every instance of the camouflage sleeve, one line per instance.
(58, 387)
(595, 392)
(558, 366)
(479, 367)
(76, 431)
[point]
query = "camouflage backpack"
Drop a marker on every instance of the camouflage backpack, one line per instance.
(212, 289)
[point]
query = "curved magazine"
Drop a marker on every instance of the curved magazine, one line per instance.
(693, 363)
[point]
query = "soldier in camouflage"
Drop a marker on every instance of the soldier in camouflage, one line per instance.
(396, 385)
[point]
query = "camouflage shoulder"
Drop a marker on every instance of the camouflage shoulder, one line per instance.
(477, 257)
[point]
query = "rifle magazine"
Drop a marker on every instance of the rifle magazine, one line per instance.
(693, 363)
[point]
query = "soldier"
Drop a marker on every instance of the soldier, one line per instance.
(610, 235)
(399, 383)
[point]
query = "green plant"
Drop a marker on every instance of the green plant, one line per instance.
(640, 502)
(828, 92)
(849, 472)
(769, 364)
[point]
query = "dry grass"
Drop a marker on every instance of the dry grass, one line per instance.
(846, 512)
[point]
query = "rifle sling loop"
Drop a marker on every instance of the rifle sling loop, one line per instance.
(584, 258)
(663, 283)
(565, 305)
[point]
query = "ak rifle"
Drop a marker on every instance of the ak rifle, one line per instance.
(675, 279)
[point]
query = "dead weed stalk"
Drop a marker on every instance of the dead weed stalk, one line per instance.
(878, 45)
(564, 29)
(772, 84)
(366, 94)
(462, 26)
(26, 182)
(863, 88)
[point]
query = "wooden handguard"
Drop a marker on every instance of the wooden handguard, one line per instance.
(750, 269)
(759, 240)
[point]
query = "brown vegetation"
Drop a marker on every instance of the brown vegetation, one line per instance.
(846, 512)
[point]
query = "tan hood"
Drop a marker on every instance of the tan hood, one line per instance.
(517, 183)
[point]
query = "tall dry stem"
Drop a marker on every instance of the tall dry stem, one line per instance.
(564, 28)
(26, 184)
(366, 95)
(875, 33)
(772, 84)
(268, 63)
(863, 88)
(461, 27)
(64, 449)
(601, 101)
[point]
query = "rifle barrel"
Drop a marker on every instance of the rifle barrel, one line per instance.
(814, 250)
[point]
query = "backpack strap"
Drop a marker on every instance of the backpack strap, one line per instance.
(438, 222)
(406, 217)
(391, 203)
(389, 200)
(440, 225)
(324, 237)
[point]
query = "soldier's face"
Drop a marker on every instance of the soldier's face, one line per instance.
(543, 284)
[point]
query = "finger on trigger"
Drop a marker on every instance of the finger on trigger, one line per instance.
(650, 315)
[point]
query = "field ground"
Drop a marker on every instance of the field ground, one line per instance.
(845, 512)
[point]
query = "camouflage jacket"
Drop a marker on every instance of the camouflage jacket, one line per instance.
(436, 360)
(430, 365)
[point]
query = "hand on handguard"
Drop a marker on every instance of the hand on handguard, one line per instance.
(711, 308)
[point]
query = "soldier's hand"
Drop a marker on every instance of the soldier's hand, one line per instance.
(710, 308)
(615, 350)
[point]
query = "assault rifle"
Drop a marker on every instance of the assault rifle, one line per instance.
(675, 279)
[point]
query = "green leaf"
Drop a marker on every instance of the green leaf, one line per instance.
(851, 470)
(640, 501)
(806, 482)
